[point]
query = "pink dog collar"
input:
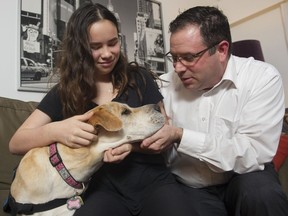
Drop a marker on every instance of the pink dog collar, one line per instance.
(56, 161)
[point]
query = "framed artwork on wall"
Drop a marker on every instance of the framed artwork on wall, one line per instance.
(284, 12)
(42, 26)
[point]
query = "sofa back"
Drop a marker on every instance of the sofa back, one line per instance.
(12, 114)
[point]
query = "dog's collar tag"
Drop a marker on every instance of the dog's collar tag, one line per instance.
(74, 202)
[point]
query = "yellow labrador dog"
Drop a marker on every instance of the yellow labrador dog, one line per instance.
(56, 175)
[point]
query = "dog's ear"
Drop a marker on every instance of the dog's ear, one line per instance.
(106, 119)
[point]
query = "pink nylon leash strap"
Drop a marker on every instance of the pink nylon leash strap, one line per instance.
(56, 161)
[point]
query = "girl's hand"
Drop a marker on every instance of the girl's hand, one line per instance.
(75, 132)
(116, 155)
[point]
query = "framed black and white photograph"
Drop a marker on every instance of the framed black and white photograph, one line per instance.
(42, 26)
(284, 13)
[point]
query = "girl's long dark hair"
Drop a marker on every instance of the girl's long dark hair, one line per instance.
(76, 65)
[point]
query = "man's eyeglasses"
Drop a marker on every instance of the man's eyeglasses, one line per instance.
(187, 59)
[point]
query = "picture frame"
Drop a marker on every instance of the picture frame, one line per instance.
(284, 13)
(42, 26)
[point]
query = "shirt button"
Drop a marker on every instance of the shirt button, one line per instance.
(203, 119)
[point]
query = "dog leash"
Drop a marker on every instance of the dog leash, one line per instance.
(75, 202)
(56, 161)
(15, 208)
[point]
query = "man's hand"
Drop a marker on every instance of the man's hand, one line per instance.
(163, 139)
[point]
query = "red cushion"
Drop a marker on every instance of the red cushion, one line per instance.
(282, 152)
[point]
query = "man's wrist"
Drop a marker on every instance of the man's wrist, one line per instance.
(179, 134)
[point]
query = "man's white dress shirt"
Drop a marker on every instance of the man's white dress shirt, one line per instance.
(234, 127)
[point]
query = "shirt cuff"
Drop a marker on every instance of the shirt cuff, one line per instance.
(192, 143)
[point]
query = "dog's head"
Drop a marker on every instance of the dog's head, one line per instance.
(121, 123)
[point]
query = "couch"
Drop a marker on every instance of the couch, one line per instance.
(13, 112)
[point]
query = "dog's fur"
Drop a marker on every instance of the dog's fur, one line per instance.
(37, 181)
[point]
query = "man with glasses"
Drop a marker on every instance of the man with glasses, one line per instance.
(225, 115)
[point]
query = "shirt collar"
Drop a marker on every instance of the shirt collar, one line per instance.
(230, 73)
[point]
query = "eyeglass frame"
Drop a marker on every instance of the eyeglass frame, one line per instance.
(194, 56)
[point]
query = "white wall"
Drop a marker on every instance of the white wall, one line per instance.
(273, 41)
(9, 53)
(256, 19)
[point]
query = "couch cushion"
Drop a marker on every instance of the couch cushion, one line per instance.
(12, 115)
(283, 177)
(282, 152)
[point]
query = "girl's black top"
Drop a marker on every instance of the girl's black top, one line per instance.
(138, 174)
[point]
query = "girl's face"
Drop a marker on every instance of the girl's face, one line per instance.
(105, 46)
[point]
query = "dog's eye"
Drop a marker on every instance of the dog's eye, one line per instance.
(126, 112)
